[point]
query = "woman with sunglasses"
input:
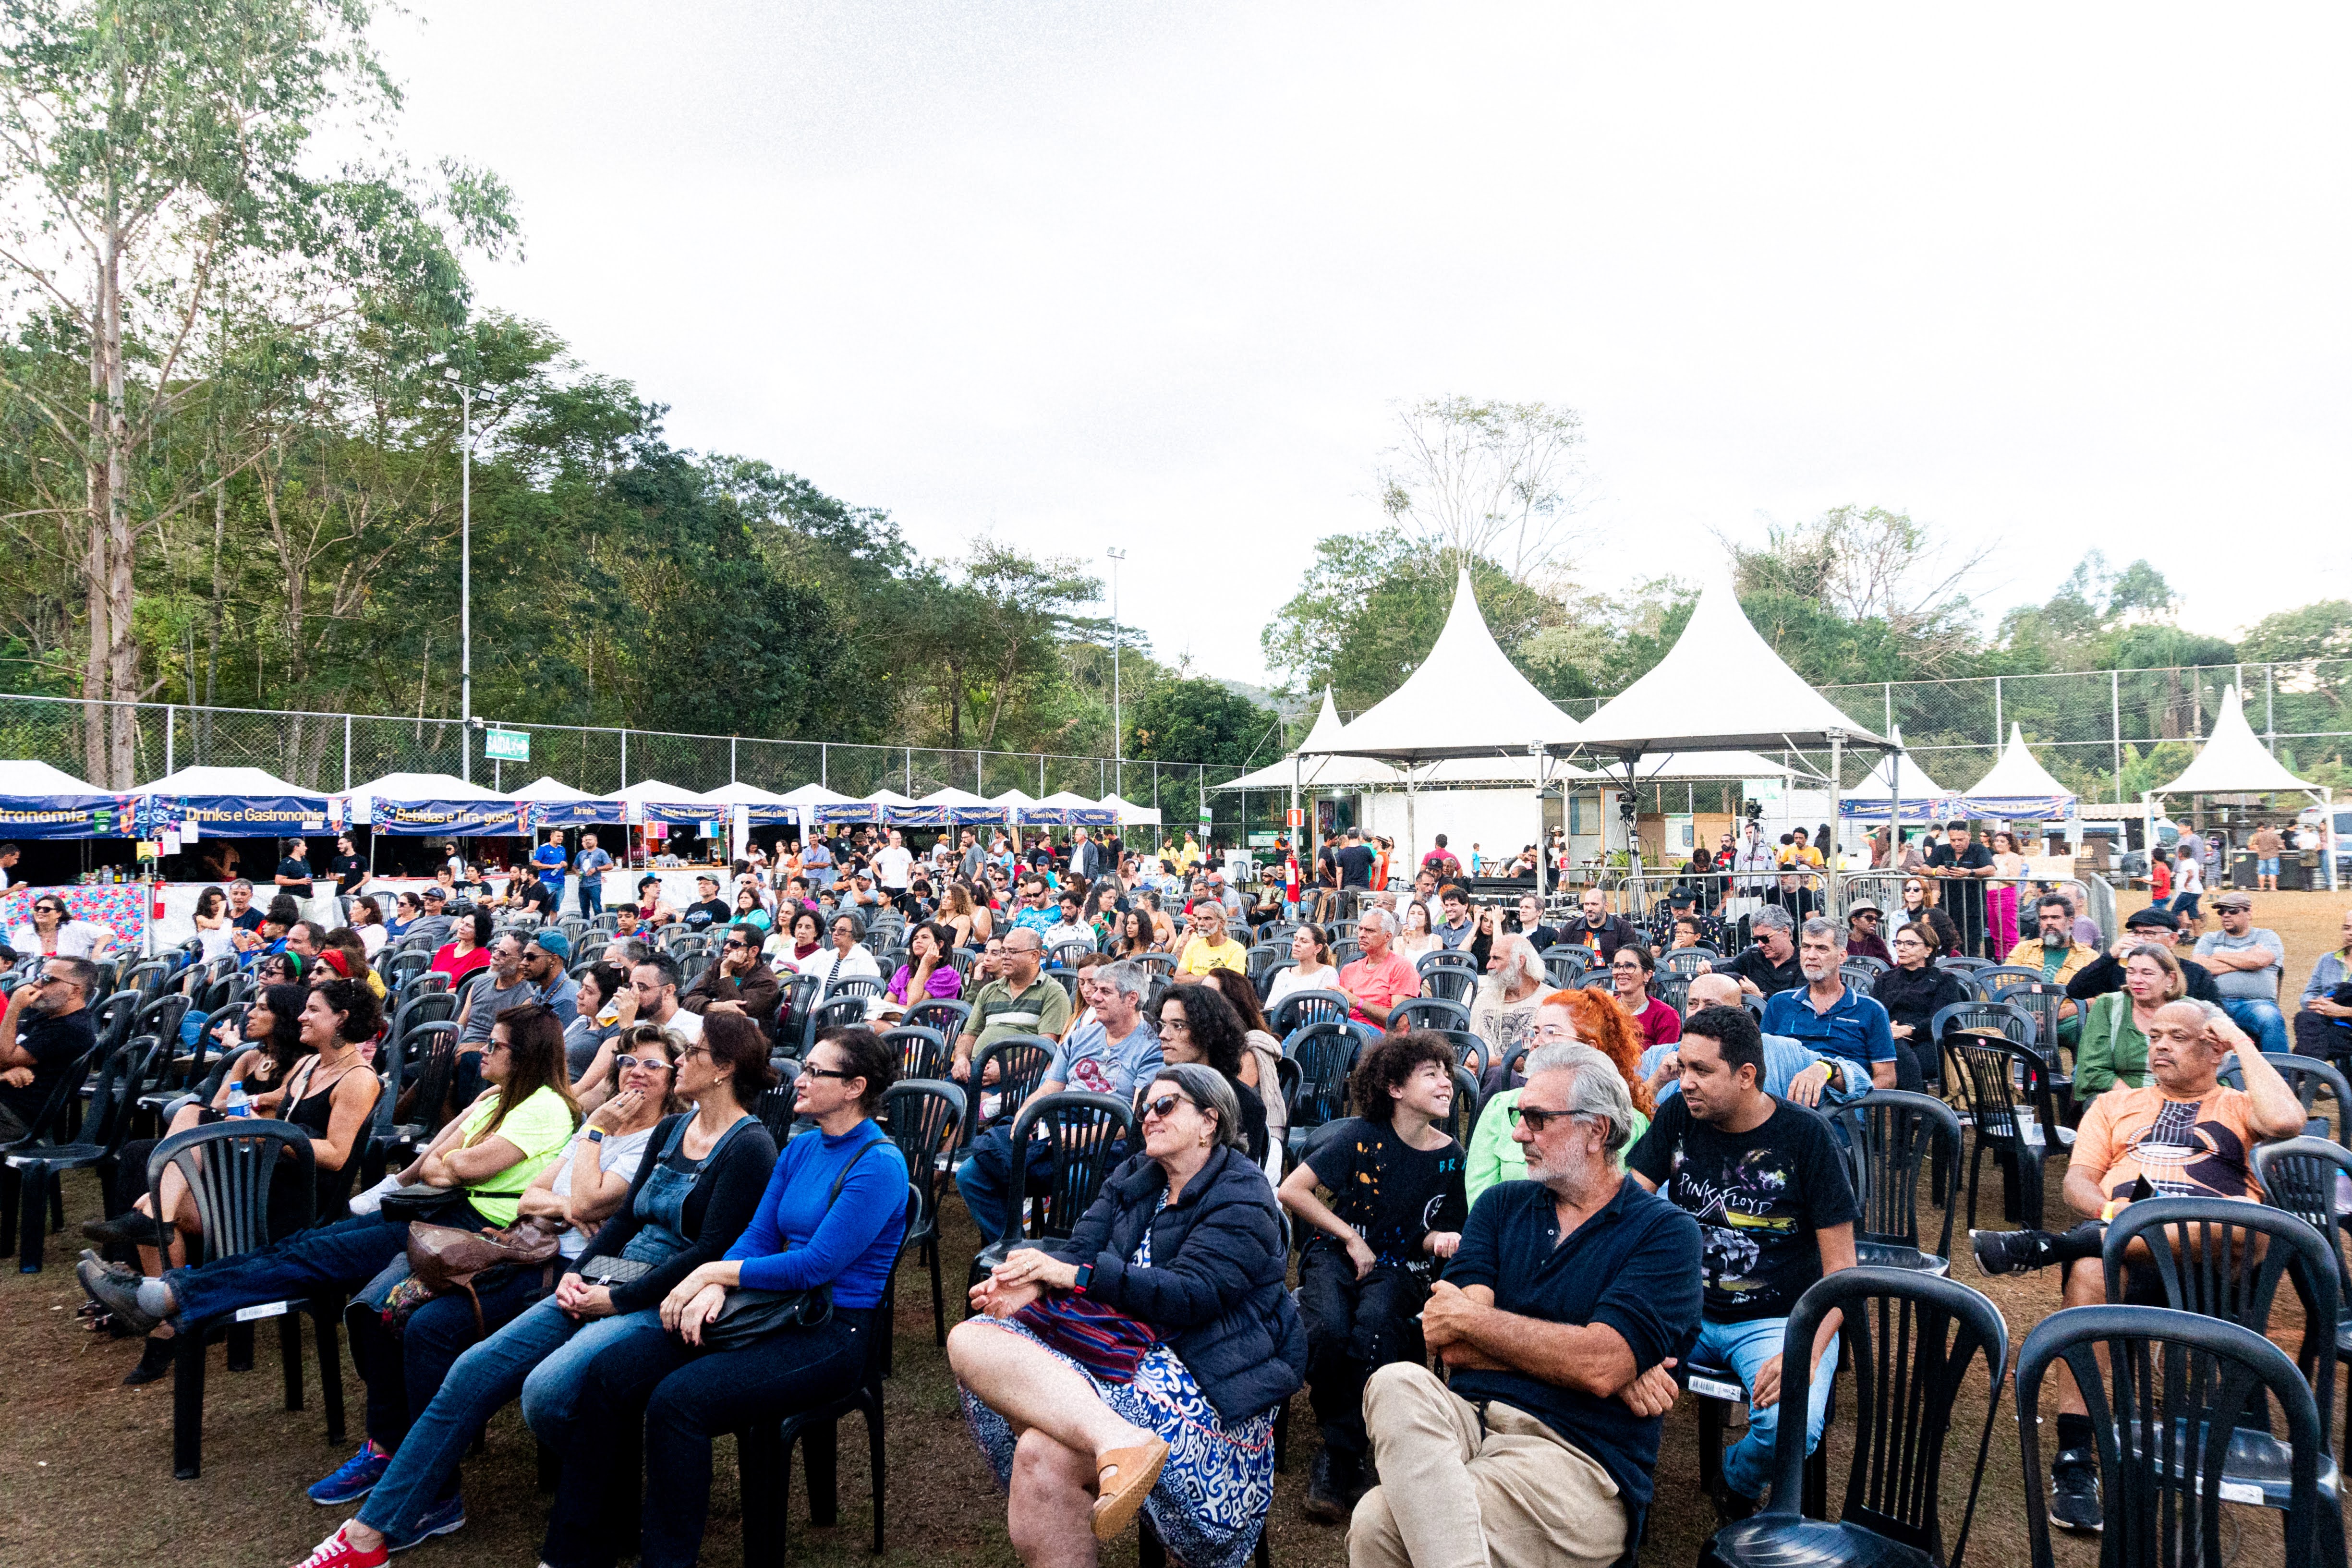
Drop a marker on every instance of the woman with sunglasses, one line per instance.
(1197, 1023)
(56, 933)
(1180, 1259)
(407, 910)
(833, 1215)
(674, 1195)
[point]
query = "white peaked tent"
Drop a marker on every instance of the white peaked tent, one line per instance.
(806, 800)
(547, 788)
(1721, 688)
(2233, 761)
(1312, 767)
(2019, 789)
(1131, 815)
(1466, 699)
(1896, 786)
(1070, 809)
(1014, 805)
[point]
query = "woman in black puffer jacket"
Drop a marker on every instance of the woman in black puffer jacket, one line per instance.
(1140, 1363)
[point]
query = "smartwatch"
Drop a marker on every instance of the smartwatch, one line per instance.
(595, 1134)
(1086, 1278)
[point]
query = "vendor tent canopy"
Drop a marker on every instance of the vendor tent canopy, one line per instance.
(230, 803)
(809, 799)
(1015, 805)
(2019, 788)
(1721, 688)
(551, 802)
(1895, 777)
(433, 805)
(1068, 809)
(37, 801)
(762, 807)
(1131, 815)
(2233, 760)
(947, 807)
(1466, 699)
(1311, 767)
(651, 800)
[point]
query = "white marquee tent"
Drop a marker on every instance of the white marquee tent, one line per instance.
(1896, 784)
(2019, 788)
(2233, 761)
(1312, 767)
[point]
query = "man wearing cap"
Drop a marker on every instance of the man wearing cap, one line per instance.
(708, 905)
(2160, 926)
(434, 922)
(740, 977)
(1862, 938)
(2247, 962)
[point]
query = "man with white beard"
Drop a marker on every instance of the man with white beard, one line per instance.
(1503, 1013)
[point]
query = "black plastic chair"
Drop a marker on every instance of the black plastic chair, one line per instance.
(1086, 1134)
(1428, 963)
(2041, 1002)
(946, 1015)
(1263, 978)
(1673, 990)
(230, 1168)
(1428, 1013)
(1469, 1051)
(2165, 1414)
(2307, 1076)
(1263, 955)
(1451, 984)
(428, 1067)
(922, 1116)
(1020, 1063)
(427, 1007)
(1300, 1008)
(29, 1202)
(922, 1052)
(1860, 979)
(1909, 1341)
(863, 986)
(2224, 1259)
(832, 1013)
(1685, 961)
(2006, 1088)
(1462, 1114)
(763, 1451)
(2301, 1177)
(1066, 954)
(1162, 964)
(1890, 1136)
(1326, 1055)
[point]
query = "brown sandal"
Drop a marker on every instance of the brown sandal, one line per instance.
(1124, 1477)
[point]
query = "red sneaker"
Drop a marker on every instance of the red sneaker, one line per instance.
(336, 1551)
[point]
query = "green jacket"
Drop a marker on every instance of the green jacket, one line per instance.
(2112, 1051)
(1496, 1156)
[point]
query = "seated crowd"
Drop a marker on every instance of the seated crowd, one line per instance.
(1642, 1188)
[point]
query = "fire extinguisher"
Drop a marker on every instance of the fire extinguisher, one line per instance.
(156, 885)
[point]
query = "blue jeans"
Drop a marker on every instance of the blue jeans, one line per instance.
(2259, 1017)
(986, 1179)
(592, 895)
(542, 1349)
(1745, 1348)
(344, 1256)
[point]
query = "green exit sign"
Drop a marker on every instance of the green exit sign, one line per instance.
(507, 746)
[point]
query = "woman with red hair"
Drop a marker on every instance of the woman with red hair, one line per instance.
(1582, 1017)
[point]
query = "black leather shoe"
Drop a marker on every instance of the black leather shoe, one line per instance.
(1327, 1496)
(153, 1362)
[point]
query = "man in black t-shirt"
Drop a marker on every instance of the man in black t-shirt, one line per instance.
(294, 871)
(707, 904)
(43, 1035)
(1355, 861)
(1770, 966)
(1966, 863)
(349, 871)
(1765, 1182)
(1396, 1209)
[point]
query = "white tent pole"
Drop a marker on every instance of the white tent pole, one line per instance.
(1895, 812)
(1411, 842)
(1837, 775)
(1543, 839)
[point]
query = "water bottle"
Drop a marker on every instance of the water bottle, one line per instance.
(238, 1104)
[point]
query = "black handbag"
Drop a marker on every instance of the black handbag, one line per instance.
(749, 1316)
(427, 1203)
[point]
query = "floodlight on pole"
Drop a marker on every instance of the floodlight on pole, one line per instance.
(1117, 740)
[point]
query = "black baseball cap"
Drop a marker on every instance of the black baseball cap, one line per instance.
(2152, 917)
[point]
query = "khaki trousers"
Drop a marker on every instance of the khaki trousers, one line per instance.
(1455, 1493)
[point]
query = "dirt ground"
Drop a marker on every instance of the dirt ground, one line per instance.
(86, 1474)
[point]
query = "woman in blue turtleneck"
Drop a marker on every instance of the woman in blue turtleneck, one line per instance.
(801, 1236)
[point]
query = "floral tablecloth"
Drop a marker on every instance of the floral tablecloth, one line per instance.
(121, 907)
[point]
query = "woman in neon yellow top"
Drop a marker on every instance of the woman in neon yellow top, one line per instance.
(1566, 1018)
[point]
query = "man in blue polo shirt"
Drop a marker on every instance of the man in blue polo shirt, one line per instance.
(551, 862)
(1577, 1270)
(1829, 1016)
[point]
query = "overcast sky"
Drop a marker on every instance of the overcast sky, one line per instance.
(1158, 275)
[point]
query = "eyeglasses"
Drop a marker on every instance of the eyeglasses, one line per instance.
(631, 1064)
(1164, 1107)
(826, 1072)
(737, 946)
(1870, 915)
(1538, 1118)
(1554, 1034)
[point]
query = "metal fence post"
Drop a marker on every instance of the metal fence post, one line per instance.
(2116, 725)
(730, 759)
(978, 773)
(169, 713)
(625, 758)
(2000, 730)
(822, 768)
(910, 770)
(1890, 709)
(2270, 714)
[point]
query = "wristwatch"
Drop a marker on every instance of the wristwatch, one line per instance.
(1086, 1278)
(595, 1134)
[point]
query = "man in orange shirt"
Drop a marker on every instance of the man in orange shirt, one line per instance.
(1382, 977)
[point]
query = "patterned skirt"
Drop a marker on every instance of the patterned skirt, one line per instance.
(1213, 1493)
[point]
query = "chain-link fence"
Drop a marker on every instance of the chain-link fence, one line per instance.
(336, 751)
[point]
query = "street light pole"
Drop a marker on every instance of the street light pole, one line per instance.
(465, 578)
(1117, 738)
